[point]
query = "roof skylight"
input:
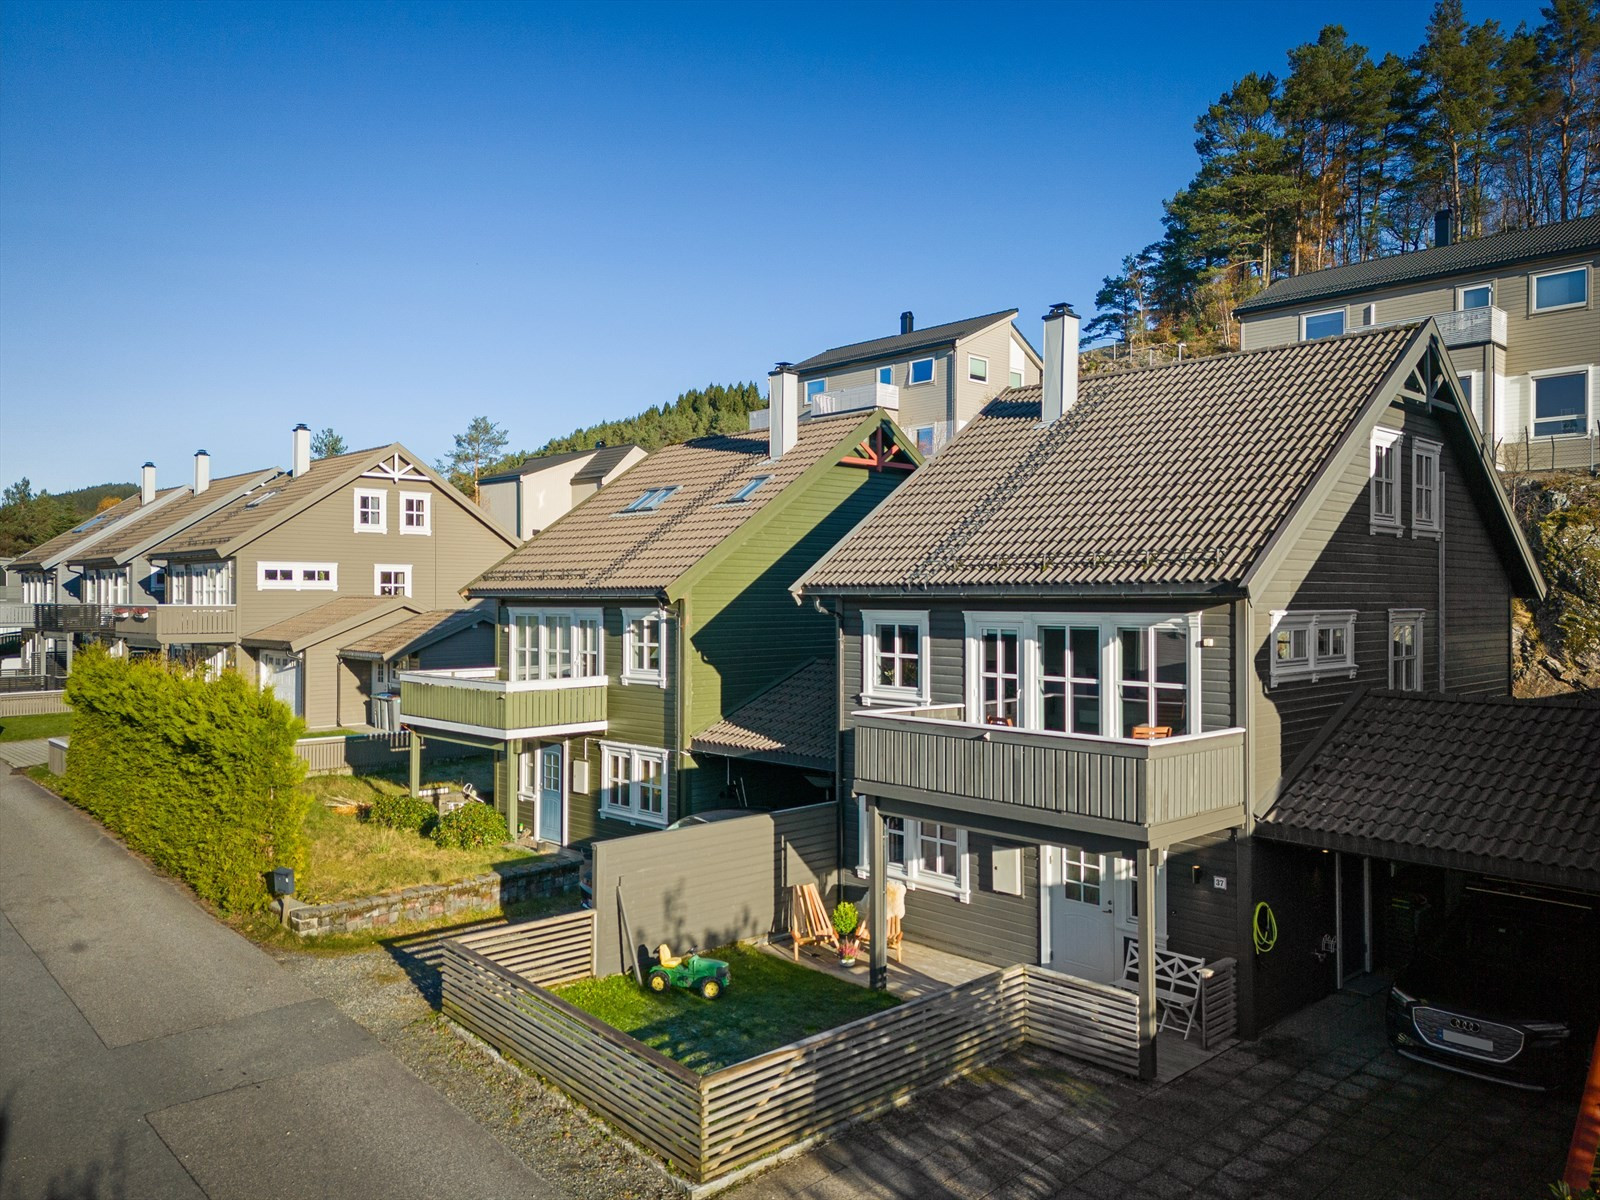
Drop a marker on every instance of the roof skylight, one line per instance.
(748, 489)
(262, 499)
(97, 519)
(651, 500)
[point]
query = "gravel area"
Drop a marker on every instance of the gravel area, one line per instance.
(394, 992)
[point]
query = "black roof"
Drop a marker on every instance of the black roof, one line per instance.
(902, 343)
(1491, 785)
(1436, 262)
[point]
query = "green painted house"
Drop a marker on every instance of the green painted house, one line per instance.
(657, 610)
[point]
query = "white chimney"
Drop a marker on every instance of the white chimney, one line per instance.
(147, 483)
(302, 450)
(783, 401)
(1060, 362)
(202, 471)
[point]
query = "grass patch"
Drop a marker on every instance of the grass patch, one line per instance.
(36, 725)
(770, 1003)
(265, 929)
(45, 777)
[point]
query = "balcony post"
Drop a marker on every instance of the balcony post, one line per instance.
(416, 764)
(878, 910)
(1146, 860)
(508, 770)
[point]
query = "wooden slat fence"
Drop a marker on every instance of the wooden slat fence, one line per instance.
(551, 950)
(32, 703)
(337, 755)
(1219, 1003)
(1092, 1021)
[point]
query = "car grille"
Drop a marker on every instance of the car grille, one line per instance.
(1435, 1027)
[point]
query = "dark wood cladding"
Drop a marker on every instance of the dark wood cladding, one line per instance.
(1202, 918)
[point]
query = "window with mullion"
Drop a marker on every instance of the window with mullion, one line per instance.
(999, 676)
(937, 850)
(899, 655)
(1069, 678)
(1154, 680)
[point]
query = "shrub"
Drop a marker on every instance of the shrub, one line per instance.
(469, 827)
(845, 918)
(199, 776)
(403, 812)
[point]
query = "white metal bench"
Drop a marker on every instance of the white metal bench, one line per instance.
(1178, 982)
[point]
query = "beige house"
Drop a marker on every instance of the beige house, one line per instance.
(543, 489)
(1516, 310)
(933, 380)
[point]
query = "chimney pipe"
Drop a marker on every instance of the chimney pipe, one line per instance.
(302, 450)
(202, 471)
(1060, 362)
(147, 483)
(783, 401)
(907, 323)
(1441, 227)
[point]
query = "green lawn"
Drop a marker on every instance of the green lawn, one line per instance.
(350, 858)
(769, 1003)
(42, 725)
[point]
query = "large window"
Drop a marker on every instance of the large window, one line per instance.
(1154, 681)
(1069, 674)
(643, 639)
(922, 854)
(1308, 645)
(634, 787)
(1385, 486)
(297, 577)
(1322, 325)
(200, 583)
(999, 676)
(562, 644)
(1427, 492)
(893, 664)
(39, 588)
(1561, 403)
(107, 585)
(1405, 649)
(1566, 288)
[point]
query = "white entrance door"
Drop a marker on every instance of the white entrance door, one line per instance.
(1125, 904)
(1079, 910)
(281, 673)
(552, 809)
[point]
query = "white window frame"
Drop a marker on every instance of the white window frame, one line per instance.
(1423, 450)
(1533, 289)
(630, 809)
(1463, 289)
(911, 372)
(1369, 314)
(1014, 379)
(650, 501)
(871, 619)
(1534, 377)
(38, 587)
(1399, 617)
(1474, 381)
(933, 437)
(377, 578)
(749, 488)
(426, 527)
(519, 656)
(215, 578)
(382, 497)
(1344, 323)
(815, 388)
(1313, 666)
(886, 376)
(971, 376)
(298, 582)
(1391, 441)
(910, 871)
(630, 672)
(1030, 705)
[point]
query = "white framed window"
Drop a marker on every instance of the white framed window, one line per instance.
(391, 579)
(1082, 875)
(633, 783)
(1474, 295)
(924, 437)
(998, 646)
(749, 489)
(1551, 291)
(1472, 393)
(371, 514)
(200, 583)
(555, 644)
(1308, 645)
(416, 512)
(1326, 324)
(1015, 378)
(923, 855)
(977, 368)
(1369, 314)
(1560, 402)
(39, 588)
(1427, 489)
(894, 665)
(297, 577)
(650, 501)
(1384, 492)
(886, 375)
(1405, 649)
(108, 585)
(1070, 673)
(644, 646)
(920, 371)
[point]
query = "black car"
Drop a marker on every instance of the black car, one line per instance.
(1507, 988)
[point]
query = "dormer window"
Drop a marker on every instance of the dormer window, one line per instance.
(748, 490)
(1322, 325)
(651, 500)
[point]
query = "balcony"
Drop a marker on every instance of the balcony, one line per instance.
(1472, 326)
(1148, 792)
(871, 395)
(16, 615)
(173, 623)
(479, 701)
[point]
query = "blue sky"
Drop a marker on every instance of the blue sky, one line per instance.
(219, 220)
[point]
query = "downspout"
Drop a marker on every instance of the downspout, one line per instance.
(1443, 505)
(841, 799)
(1243, 846)
(681, 705)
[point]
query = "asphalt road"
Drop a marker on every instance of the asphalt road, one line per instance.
(148, 1051)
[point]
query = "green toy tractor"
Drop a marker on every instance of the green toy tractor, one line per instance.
(708, 976)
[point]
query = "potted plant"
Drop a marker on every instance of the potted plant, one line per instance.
(846, 921)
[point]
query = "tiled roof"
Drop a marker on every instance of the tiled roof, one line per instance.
(422, 629)
(1168, 477)
(62, 543)
(902, 343)
(597, 547)
(145, 526)
(793, 722)
(1436, 262)
(602, 460)
(1498, 786)
(304, 627)
(605, 461)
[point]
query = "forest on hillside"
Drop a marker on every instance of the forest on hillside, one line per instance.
(29, 518)
(1346, 158)
(715, 408)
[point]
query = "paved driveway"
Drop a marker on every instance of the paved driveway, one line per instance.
(1319, 1108)
(148, 1051)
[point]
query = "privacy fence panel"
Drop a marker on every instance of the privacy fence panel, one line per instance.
(552, 950)
(370, 752)
(1219, 1002)
(1091, 1021)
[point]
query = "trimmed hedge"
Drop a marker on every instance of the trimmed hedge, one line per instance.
(201, 777)
(469, 827)
(406, 813)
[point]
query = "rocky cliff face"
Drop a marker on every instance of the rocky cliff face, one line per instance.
(1556, 646)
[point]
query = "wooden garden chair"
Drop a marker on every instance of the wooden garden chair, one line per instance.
(809, 922)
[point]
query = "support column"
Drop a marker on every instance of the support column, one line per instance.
(1146, 860)
(510, 755)
(416, 764)
(878, 911)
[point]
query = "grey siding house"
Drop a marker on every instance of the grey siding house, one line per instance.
(545, 488)
(1516, 310)
(1080, 650)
